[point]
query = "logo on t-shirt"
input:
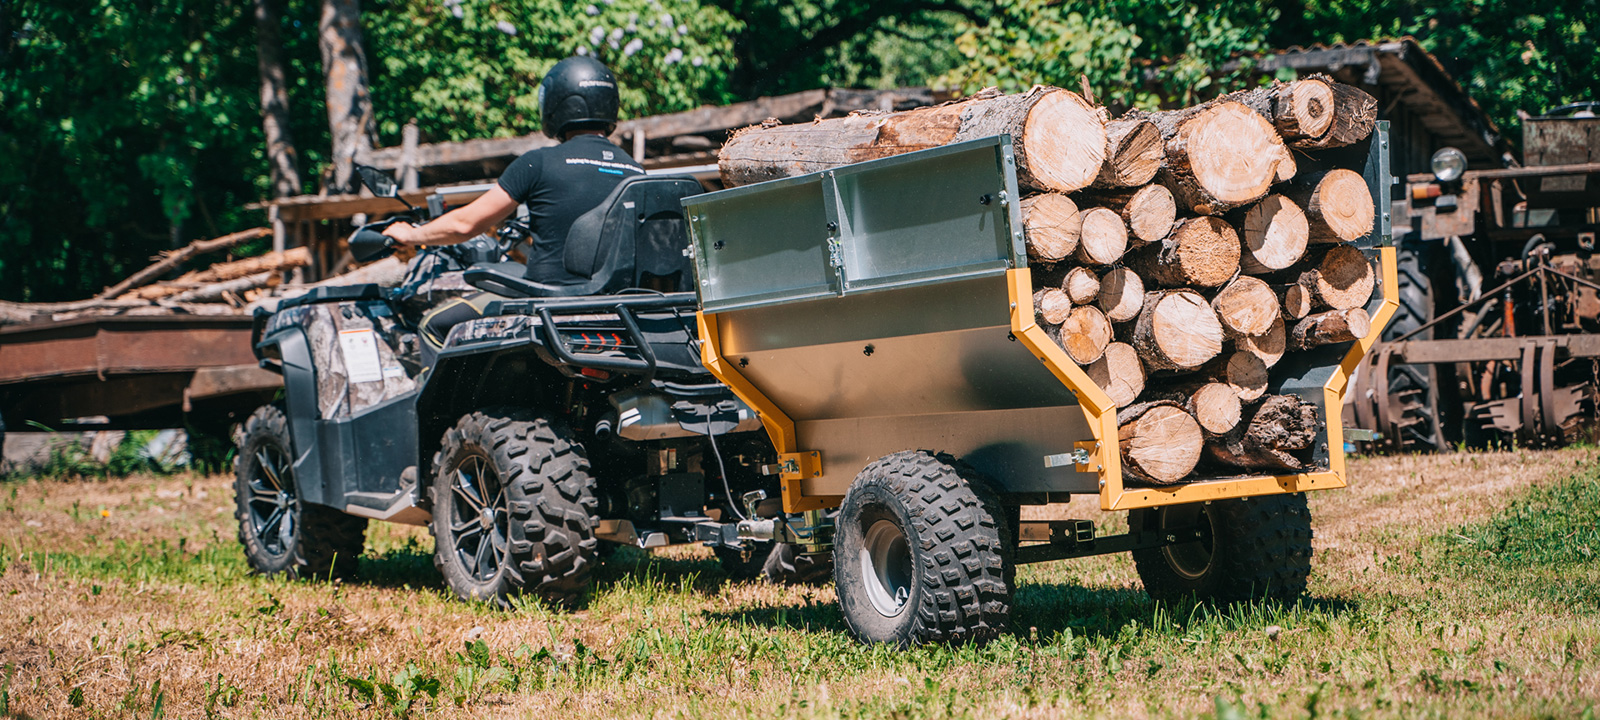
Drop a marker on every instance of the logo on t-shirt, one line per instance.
(606, 154)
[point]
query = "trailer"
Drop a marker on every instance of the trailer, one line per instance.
(878, 317)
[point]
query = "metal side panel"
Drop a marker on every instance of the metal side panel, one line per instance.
(300, 403)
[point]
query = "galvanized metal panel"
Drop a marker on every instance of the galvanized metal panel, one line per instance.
(755, 247)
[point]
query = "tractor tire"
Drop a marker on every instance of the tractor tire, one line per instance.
(1418, 384)
(280, 532)
(1251, 549)
(514, 509)
(919, 554)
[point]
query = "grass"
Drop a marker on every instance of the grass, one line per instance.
(1452, 586)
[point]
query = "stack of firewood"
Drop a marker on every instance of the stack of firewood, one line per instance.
(1176, 256)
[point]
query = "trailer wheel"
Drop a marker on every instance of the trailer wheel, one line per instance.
(513, 509)
(919, 554)
(280, 532)
(1250, 548)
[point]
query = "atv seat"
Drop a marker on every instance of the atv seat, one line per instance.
(636, 238)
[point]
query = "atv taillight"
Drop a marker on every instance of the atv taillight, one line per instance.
(596, 374)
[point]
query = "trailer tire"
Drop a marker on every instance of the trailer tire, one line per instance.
(303, 540)
(1251, 549)
(538, 517)
(919, 554)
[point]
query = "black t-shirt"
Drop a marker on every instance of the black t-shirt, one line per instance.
(559, 184)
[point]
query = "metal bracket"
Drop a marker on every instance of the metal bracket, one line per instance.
(1085, 456)
(800, 465)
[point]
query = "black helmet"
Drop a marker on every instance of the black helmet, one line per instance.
(578, 93)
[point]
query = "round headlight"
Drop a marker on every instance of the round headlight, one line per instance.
(1449, 164)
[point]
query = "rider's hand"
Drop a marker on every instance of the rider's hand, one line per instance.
(402, 232)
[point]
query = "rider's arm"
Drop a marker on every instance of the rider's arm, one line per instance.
(458, 225)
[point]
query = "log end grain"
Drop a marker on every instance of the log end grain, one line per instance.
(1216, 407)
(1051, 225)
(1342, 207)
(1275, 235)
(1177, 330)
(1246, 306)
(1133, 153)
(1051, 305)
(1246, 374)
(1231, 153)
(1160, 444)
(1343, 280)
(1085, 334)
(1081, 285)
(1151, 213)
(1268, 346)
(1305, 109)
(1121, 294)
(1104, 238)
(1064, 138)
(1118, 372)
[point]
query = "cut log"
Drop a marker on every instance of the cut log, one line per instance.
(1085, 334)
(1176, 330)
(1338, 205)
(1298, 110)
(1354, 114)
(1133, 153)
(1296, 301)
(214, 292)
(1202, 252)
(1246, 374)
(1246, 306)
(1149, 211)
(1121, 294)
(1058, 138)
(1268, 346)
(1220, 155)
(170, 261)
(1159, 441)
(1275, 235)
(1119, 372)
(1104, 238)
(1051, 305)
(223, 272)
(1333, 326)
(1342, 280)
(1081, 285)
(1269, 436)
(1051, 224)
(1215, 406)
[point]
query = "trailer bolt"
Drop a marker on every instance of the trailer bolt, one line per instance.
(833, 227)
(1172, 538)
(985, 200)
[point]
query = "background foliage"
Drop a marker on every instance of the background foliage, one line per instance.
(127, 126)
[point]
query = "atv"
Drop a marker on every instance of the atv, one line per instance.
(567, 417)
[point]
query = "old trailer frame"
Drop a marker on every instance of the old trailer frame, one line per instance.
(804, 281)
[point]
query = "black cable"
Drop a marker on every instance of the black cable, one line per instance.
(720, 467)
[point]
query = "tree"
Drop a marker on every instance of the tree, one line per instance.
(283, 171)
(349, 104)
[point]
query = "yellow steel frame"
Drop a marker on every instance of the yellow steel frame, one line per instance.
(1101, 413)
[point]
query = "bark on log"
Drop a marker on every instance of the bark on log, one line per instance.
(1121, 295)
(1298, 110)
(1149, 211)
(1333, 326)
(1081, 285)
(170, 261)
(1085, 334)
(1220, 155)
(1058, 138)
(217, 291)
(1342, 280)
(1275, 234)
(222, 272)
(1246, 306)
(1268, 437)
(1268, 346)
(1051, 225)
(1177, 330)
(1133, 153)
(1338, 205)
(1202, 252)
(1354, 114)
(1119, 372)
(1104, 238)
(1159, 441)
(1051, 305)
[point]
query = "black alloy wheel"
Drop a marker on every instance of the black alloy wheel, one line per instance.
(280, 531)
(478, 519)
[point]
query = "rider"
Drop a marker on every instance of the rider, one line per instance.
(577, 106)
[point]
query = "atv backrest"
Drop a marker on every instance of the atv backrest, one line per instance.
(636, 238)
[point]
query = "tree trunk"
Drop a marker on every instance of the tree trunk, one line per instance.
(283, 170)
(1133, 154)
(1149, 211)
(1333, 326)
(1354, 114)
(1202, 252)
(1119, 372)
(1266, 440)
(1051, 225)
(1058, 139)
(1268, 346)
(1246, 306)
(344, 63)
(1121, 295)
(1342, 280)
(1085, 334)
(1176, 330)
(1104, 238)
(1338, 205)
(1220, 155)
(1159, 441)
(1275, 235)
(1081, 285)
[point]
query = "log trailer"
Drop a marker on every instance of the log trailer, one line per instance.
(1497, 336)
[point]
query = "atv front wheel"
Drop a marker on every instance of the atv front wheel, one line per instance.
(280, 532)
(1249, 548)
(513, 509)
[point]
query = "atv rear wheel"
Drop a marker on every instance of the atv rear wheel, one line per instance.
(513, 509)
(1250, 548)
(919, 554)
(280, 532)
